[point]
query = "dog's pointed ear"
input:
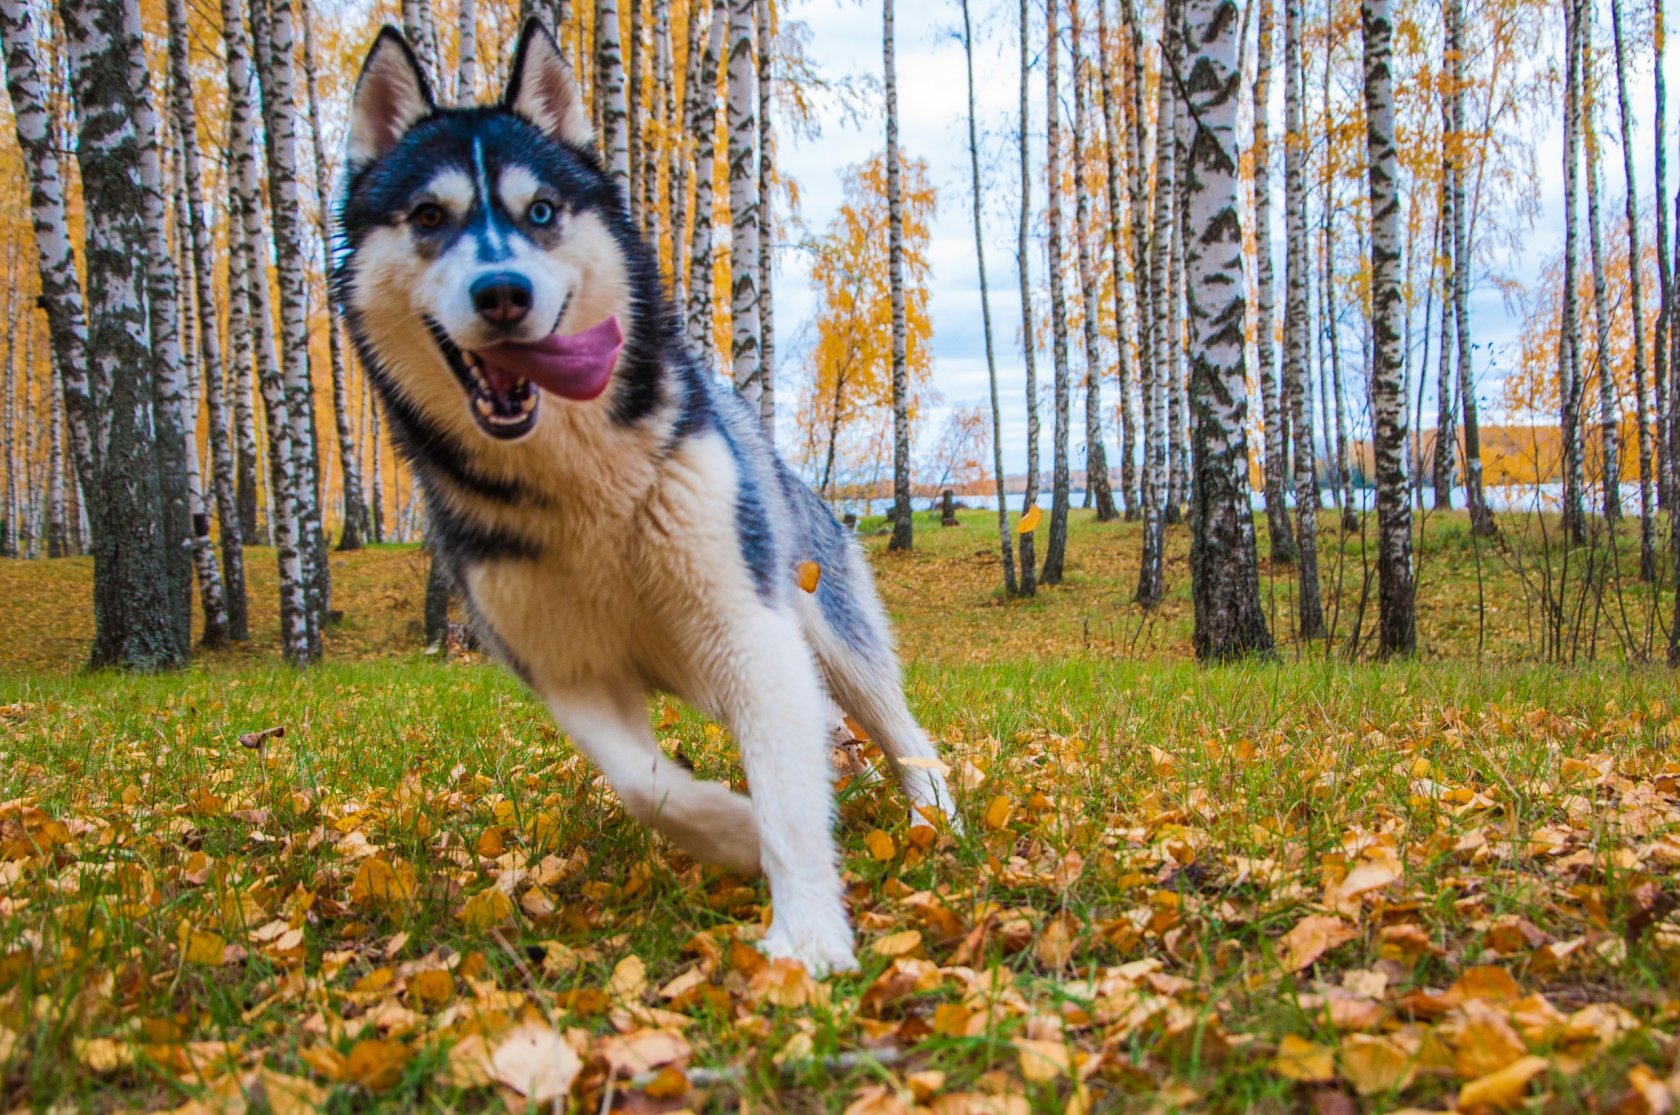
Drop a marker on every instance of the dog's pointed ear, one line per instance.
(541, 88)
(391, 97)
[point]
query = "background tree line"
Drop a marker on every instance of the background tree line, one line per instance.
(177, 388)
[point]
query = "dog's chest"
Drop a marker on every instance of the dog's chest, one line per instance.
(623, 593)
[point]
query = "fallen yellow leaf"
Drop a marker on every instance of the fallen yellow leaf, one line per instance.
(1042, 1060)
(998, 812)
(375, 1064)
(198, 946)
(810, 574)
(1374, 1065)
(1029, 522)
(487, 909)
(880, 845)
(1300, 1059)
(894, 945)
(1502, 1090)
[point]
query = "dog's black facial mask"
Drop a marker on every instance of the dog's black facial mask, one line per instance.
(477, 200)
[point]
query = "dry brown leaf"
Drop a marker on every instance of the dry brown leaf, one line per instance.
(1300, 1059)
(1504, 1090)
(375, 1064)
(1486, 1043)
(290, 1095)
(644, 1051)
(536, 1062)
(1375, 1065)
(1042, 1061)
(1312, 937)
(893, 945)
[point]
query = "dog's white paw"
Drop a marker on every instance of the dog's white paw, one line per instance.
(823, 951)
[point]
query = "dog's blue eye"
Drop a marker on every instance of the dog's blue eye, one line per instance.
(541, 213)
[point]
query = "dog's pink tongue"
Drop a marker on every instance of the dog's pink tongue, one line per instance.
(574, 367)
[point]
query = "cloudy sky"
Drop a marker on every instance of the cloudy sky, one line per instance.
(845, 39)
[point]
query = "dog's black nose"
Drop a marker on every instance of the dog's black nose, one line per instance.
(502, 297)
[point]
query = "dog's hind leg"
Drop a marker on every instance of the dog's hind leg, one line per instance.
(866, 684)
(705, 819)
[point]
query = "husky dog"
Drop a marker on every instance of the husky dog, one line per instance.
(615, 520)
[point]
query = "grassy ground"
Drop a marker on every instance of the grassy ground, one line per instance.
(1302, 885)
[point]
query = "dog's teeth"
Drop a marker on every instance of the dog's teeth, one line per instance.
(484, 407)
(528, 405)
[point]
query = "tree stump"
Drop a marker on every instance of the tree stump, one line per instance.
(948, 509)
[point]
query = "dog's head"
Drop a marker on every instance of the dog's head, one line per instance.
(484, 267)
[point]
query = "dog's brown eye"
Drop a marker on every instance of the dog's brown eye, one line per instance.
(429, 216)
(540, 214)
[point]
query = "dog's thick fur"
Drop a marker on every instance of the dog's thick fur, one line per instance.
(647, 540)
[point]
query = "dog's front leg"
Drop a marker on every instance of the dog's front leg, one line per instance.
(765, 686)
(705, 819)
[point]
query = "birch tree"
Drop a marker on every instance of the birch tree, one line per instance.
(1156, 380)
(686, 139)
(1297, 380)
(1224, 568)
(1096, 459)
(1006, 553)
(133, 622)
(1396, 592)
(766, 226)
(1481, 518)
(1569, 354)
(1660, 354)
(1609, 401)
(743, 203)
(1023, 271)
(1112, 115)
(61, 287)
(466, 62)
(169, 412)
(1055, 547)
(350, 473)
(703, 123)
(609, 76)
(903, 529)
(199, 232)
(280, 117)
(1282, 538)
(1636, 298)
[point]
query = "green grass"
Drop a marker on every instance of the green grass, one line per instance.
(1152, 811)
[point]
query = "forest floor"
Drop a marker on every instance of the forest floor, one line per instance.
(1308, 884)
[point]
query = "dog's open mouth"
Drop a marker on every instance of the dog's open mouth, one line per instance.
(502, 380)
(504, 404)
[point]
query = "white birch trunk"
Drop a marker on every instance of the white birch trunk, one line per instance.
(1113, 119)
(1156, 378)
(1229, 622)
(350, 473)
(766, 226)
(1006, 552)
(1569, 357)
(1397, 622)
(1609, 400)
(703, 122)
(1636, 299)
(134, 616)
(609, 76)
(743, 203)
(1281, 535)
(1297, 379)
(1023, 261)
(903, 528)
(1096, 458)
(466, 64)
(1055, 547)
